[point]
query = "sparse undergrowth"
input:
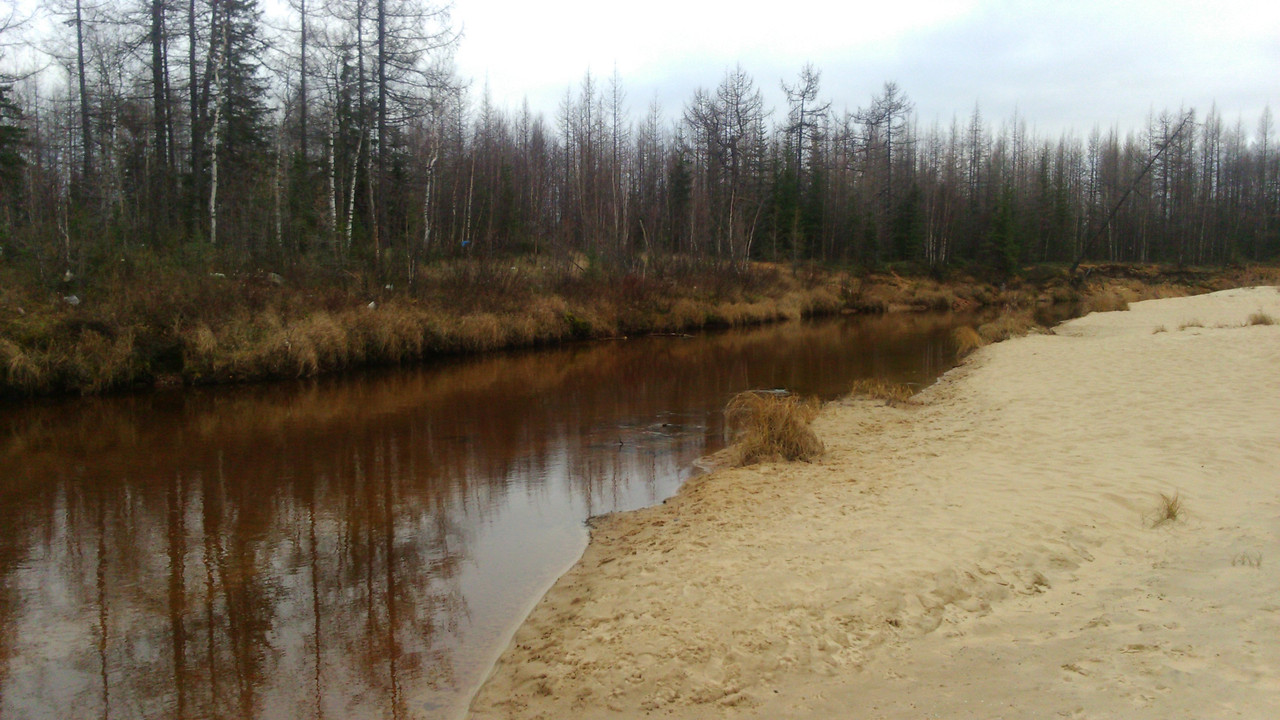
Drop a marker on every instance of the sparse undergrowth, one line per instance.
(1261, 318)
(771, 426)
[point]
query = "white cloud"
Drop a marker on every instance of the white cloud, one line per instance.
(1062, 64)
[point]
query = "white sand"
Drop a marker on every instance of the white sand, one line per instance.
(987, 553)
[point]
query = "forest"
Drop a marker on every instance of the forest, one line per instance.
(346, 138)
(338, 147)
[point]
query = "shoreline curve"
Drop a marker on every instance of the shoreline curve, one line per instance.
(996, 548)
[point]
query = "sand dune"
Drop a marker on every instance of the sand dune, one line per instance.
(989, 552)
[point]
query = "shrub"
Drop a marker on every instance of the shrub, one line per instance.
(1261, 318)
(770, 426)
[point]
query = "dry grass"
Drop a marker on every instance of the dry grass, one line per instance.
(19, 369)
(1260, 318)
(1159, 329)
(151, 320)
(1009, 325)
(768, 426)
(967, 339)
(1105, 300)
(1117, 294)
(1190, 324)
(877, 389)
(1169, 509)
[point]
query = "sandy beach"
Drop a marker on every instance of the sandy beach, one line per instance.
(991, 550)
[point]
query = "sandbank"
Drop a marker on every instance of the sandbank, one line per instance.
(991, 550)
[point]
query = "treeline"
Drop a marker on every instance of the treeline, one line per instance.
(346, 139)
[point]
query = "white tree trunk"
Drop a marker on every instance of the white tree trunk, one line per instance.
(333, 189)
(426, 200)
(351, 192)
(213, 161)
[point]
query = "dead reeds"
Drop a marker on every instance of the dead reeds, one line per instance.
(772, 426)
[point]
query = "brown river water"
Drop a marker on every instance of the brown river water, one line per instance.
(363, 546)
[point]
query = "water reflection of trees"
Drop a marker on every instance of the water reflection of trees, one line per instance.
(295, 551)
(244, 589)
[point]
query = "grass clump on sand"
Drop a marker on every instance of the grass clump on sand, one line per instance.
(967, 340)
(877, 389)
(1261, 318)
(1168, 510)
(1009, 325)
(769, 426)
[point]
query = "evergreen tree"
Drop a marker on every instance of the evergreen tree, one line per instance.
(244, 132)
(239, 131)
(11, 161)
(1002, 241)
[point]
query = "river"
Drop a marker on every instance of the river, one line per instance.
(359, 546)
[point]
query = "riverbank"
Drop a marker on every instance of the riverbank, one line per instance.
(1006, 545)
(145, 325)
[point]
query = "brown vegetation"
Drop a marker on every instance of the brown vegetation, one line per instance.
(148, 325)
(1168, 510)
(1009, 325)
(878, 389)
(151, 323)
(770, 426)
(967, 340)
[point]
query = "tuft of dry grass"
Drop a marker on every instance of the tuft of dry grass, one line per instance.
(1168, 510)
(1261, 318)
(99, 362)
(19, 368)
(1009, 325)
(967, 339)
(877, 389)
(1191, 324)
(769, 426)
(1106, 300)
(1159, 329)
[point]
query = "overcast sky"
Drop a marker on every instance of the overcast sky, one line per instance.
(1063, 65)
